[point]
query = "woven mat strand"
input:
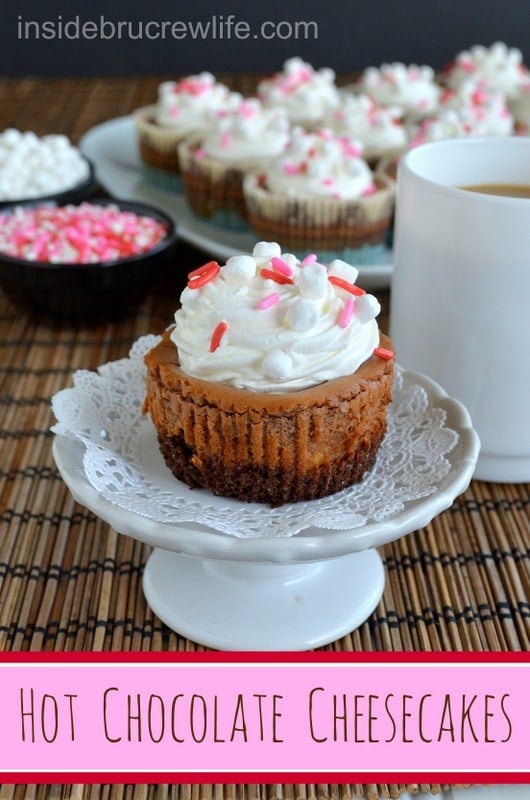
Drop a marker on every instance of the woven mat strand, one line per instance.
(69, 582)
(219, 792)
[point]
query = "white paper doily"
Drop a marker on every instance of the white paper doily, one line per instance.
(122, 462)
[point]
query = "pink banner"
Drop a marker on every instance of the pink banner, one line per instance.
(271, 717)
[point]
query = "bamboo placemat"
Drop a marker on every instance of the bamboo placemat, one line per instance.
(69, 582)
(221, 792)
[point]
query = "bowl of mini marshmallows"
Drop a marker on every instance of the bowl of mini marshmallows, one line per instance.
(90, 259)
(42, 168)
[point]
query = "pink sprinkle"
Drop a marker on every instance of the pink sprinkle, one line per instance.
(289, 168)
(328, 181)
(309, 259)
(217, 336)
(446, 95)
(268, 301)
(247, 110)
(280, 266)
(384, 353)
(193, 87)
(346, 314)
(200, 153)
(225, 139)
(291, 83)
(370, 190)
(479, 96)
(352, 151)
(77, 234)
(304, 73)
(467, 66)
(175, 112)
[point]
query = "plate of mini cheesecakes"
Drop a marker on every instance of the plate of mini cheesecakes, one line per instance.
(112, 147)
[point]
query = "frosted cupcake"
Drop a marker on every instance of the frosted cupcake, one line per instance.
(320, 194)
(274, 383)
(411, 88)
(184, 107)
(214, 164)
(306, 95)
(500, 68)
(483, 112)
(379, 129)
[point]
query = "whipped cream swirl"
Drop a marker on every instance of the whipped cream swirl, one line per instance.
(411, 88)
(246, 131)
(320, 164)
(271, 323)
(448, 124)
(185, 105)
(378, 128)
(499, 67)
(483, 111)
(471, 110)
(305, 93)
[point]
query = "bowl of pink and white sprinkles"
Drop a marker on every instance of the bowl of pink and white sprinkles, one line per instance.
(86, 259)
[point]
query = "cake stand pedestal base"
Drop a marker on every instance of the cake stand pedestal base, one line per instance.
(238, 605)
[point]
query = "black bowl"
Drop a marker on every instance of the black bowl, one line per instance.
(75, 194)
(95, 290)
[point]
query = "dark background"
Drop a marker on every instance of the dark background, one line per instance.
(351, 35)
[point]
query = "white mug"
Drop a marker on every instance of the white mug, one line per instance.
(460, 299)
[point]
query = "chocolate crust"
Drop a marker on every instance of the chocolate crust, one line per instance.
(255, 483)
(262, 447)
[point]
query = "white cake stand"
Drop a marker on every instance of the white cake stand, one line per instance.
(265, 593)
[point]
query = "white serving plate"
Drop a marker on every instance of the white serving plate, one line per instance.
(112, 148)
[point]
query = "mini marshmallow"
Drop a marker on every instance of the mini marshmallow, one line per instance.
(266, 250)
(290, 259)
(10, 137)
(366, 308)
(239, 269)
(344, 270)
(277, 365)
(302, 314)
(313, 281)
